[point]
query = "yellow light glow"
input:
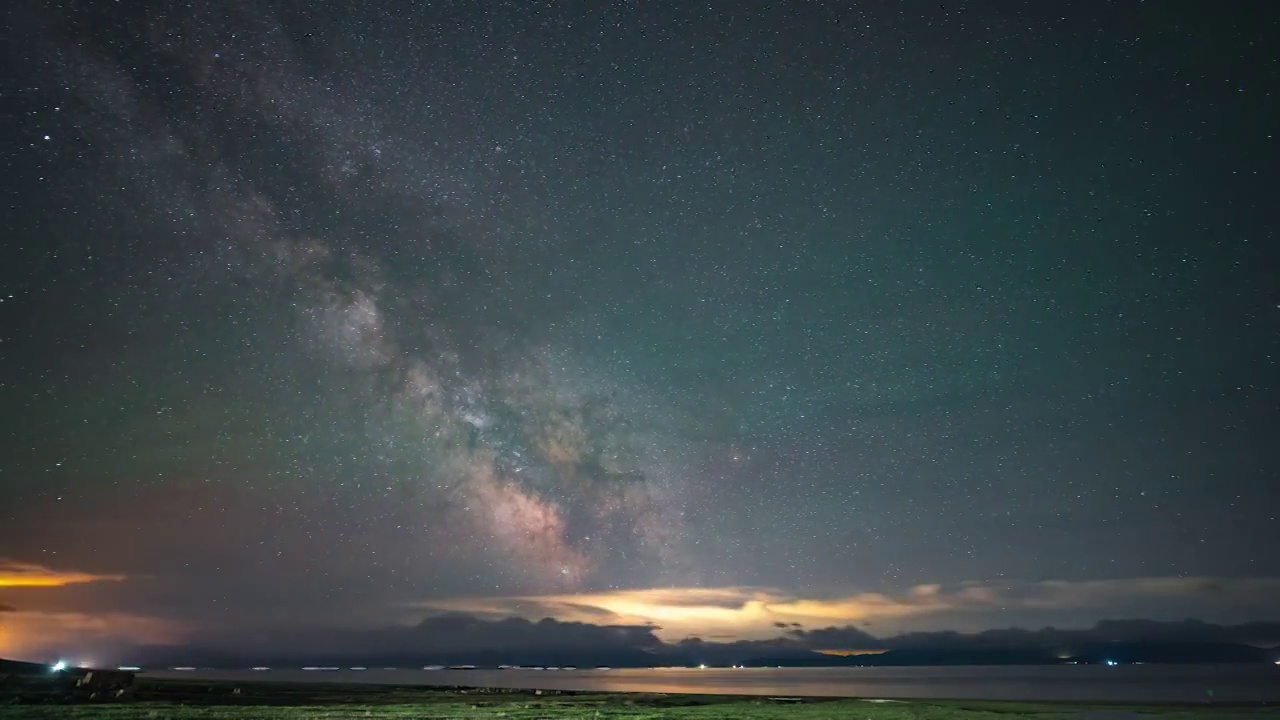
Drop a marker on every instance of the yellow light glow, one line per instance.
(30, 575)
(740, 612)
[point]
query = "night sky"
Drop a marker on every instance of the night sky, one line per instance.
(708, 315)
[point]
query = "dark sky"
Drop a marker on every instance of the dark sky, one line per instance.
(911, 314)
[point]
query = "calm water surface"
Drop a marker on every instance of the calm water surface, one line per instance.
(1124, 683)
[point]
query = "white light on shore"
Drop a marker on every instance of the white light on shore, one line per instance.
(59, 666)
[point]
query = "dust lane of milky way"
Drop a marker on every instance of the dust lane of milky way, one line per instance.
(320, 319)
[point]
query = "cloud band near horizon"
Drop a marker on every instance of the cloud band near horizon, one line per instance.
(15, 574)
(47, 610)
(749, 613)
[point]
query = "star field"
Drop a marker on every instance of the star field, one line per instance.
(309, 315)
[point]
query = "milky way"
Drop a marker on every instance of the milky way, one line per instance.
(398, 268)
(322, 317)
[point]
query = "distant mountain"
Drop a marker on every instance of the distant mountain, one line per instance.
(465, 640)
(215, 658)
(1152, 653)
(1139, 652)
(1177, 653)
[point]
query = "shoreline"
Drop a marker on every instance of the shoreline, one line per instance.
(196, 699)
(1204, 685)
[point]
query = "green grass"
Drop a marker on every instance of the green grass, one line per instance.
(171, 700)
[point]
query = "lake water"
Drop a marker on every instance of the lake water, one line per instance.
(1123, 683)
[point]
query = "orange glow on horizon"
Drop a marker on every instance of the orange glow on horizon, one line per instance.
(29, 575)
(761, 613)
(32, 635)
(745, 613)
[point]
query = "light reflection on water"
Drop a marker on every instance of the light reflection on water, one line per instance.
(1125, 683)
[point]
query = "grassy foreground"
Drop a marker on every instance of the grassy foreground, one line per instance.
(185, 700)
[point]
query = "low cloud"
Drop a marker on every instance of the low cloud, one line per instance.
(749, 613)
(55, 617)
(741, 612)
(14, 574)
(42, 635)
(1052, 594)
(650, 626)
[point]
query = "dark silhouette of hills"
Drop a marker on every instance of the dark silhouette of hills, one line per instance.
(1152, 653)
(466, 640)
